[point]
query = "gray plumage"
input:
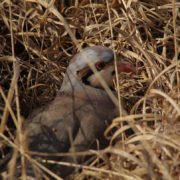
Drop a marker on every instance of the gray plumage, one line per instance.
(80, 110)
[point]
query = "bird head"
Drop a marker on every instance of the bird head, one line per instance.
(80, 74)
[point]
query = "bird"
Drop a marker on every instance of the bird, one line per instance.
(81, 110)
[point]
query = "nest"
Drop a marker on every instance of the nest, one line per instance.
(38, 38)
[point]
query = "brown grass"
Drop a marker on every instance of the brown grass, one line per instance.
(38, 38)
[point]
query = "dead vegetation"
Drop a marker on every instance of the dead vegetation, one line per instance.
(38, 38)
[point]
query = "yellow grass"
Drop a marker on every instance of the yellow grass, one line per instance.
(39, 37)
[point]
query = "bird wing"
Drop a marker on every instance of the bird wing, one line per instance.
(50, 129)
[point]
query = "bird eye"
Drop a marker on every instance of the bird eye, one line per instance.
(100, 65)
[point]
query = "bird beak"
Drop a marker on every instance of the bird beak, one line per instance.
(125, 67)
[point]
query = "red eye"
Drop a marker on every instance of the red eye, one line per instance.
(100, 65)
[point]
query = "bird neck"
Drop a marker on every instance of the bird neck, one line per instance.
(73, 86)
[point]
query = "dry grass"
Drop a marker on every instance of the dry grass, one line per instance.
(39, 38)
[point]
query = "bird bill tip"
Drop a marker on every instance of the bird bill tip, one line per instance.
(126, 67)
